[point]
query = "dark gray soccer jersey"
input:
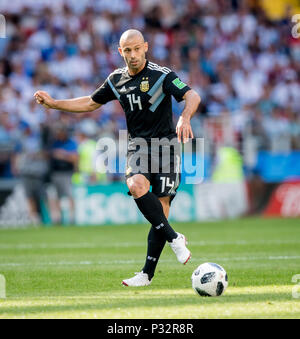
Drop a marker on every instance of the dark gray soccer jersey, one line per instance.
(145, 98)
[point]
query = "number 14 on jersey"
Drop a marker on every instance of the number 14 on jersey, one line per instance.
(133, 100)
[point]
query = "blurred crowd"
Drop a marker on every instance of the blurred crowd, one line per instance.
(245, 67)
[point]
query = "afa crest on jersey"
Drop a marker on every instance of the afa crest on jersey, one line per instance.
(144, 86)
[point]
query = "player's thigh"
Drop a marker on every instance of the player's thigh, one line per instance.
(138, 185)
(165, 184)
(165, 201)
(138, 163)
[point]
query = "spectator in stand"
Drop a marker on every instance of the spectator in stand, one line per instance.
(31, 166)
(63, 163)
(7, 145)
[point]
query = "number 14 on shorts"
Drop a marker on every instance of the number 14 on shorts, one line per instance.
(166, 183)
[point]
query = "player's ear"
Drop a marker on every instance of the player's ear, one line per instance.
(146, 46)
(120, 51)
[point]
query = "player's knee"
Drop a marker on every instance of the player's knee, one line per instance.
(138, 186)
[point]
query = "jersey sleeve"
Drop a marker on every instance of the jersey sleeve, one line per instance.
(103, 94)
(174, 86)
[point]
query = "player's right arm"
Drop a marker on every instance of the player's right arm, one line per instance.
(77, 105)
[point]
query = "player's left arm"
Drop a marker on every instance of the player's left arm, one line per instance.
(181, 91)
(184, 128)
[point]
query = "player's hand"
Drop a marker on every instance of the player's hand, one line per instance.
(184, 129)
(43, 98)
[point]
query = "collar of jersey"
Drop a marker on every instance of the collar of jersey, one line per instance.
(140, 72)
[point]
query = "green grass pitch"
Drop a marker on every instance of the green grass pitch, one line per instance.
(76, 272)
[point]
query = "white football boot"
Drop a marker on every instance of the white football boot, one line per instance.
(140, 279)
(178, 246)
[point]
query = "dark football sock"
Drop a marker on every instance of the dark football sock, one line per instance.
(156, 245)
(153, 211)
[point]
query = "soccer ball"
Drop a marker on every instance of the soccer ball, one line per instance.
(209, 280)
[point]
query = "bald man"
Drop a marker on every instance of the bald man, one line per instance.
(144, 90)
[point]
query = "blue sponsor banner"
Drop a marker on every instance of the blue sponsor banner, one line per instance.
(278, 167)
(104, 204)
(110, 204)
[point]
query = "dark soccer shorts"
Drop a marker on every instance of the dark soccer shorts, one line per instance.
(161, 166)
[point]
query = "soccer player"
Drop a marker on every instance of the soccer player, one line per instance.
(144, 91)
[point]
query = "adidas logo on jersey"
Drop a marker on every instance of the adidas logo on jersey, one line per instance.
(125, 90)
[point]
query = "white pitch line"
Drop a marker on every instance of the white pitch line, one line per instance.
(23, 246)
(129, 262)
(47, 246)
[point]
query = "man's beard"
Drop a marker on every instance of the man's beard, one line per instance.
(134, 66)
